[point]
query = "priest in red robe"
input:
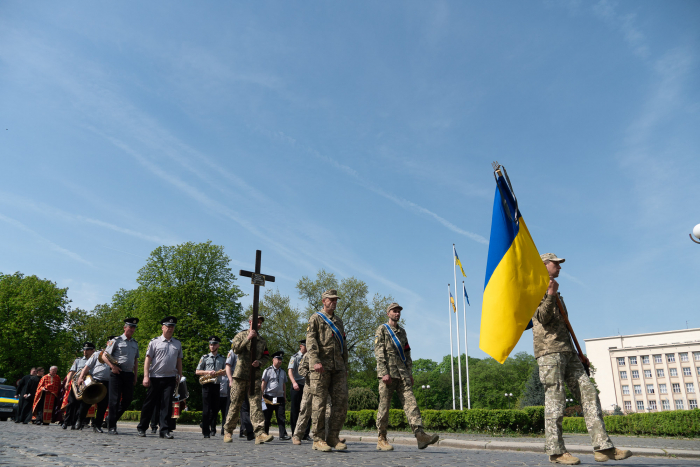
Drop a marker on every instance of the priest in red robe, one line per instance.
(45, 397)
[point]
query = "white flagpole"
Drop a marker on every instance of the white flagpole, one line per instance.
(459, 351)
(466, 349)
(452, 358)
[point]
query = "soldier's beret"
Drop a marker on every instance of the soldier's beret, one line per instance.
(131, 321)
(169, 321)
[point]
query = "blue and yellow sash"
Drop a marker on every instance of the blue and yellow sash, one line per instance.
(396, 342)
(334, 328)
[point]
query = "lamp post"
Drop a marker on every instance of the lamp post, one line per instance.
(696, 234)
(509, 396)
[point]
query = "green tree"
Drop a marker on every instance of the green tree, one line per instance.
(533, 394)
(33, 325)
(284, 326)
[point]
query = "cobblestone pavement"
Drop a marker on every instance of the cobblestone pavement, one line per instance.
(29, 445)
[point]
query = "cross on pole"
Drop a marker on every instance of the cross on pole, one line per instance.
(258, 280)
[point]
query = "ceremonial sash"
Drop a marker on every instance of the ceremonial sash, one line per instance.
(334, 328)
(396, 342)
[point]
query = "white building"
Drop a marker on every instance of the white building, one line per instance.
(647, 372)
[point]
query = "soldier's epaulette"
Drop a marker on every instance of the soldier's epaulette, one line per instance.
(205, 355)
(154, 338)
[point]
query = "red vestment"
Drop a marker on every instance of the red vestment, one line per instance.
(52, 385)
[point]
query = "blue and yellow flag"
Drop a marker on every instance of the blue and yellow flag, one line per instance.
(452, 301)
(466, 297)
(516, 278)
(458, 263)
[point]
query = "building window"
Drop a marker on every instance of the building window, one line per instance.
(633, 360)
(623, 375)
(645, 359)
(689, 387)
(647, 373)
(637, 388)
(635, 374)
(658, 359)
(621, 361)
(696, 356)
(660, 373)
(640, 406)
(698, 368)
(650, 389)
(679, 404)
(672, 372)
(683, 356)
(628, 406)
(686, 371)
(671, 357)
(665, 404)
(662, 389)
(625, 389)
(676, 387)
(652, 405)
(692, 403)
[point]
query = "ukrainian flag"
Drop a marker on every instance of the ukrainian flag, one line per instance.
(516, 278)
(458, 262)
(452, 301)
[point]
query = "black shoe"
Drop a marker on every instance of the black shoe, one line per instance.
(64, 426)
(112, 431)
(213, 433)
(206, 436)
(308, 438)
(166, 435)
(154, 430)
(285, 438)
(241, 435)
(78, 426)
(97, 429)
(141, 432)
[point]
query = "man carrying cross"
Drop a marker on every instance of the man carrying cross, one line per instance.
(327, 353)
(394, 370)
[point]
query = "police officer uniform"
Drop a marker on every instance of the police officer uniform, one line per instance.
(211, 391)
(73, 410)
(121, 385)
(296, 396)
(100, 374)
(164, 373)
(274, 379)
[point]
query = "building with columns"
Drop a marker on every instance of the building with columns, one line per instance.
(647, 372)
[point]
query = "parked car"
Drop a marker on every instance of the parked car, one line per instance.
(8, 401)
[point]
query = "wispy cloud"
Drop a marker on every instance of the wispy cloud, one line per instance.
(625, 23)
(17, 224)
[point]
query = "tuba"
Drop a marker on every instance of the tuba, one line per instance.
(90, 392)
(105, 356)
(211, 379)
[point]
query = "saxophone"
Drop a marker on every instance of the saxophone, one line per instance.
(205, 379)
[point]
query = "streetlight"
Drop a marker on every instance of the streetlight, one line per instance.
(509, 396)
(425, 387)
(696, 234)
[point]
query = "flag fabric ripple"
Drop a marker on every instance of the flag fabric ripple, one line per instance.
(516, 278)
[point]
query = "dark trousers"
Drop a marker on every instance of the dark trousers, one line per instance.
(160, 393)
(73, 409)
(121, 393)
(245, 419)
(101, 407)
(210, 407)
(279, 410)
(25, 415)
(155, 419)
(223, 406)
(296, 408)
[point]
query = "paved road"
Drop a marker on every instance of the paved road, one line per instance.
(29, 445)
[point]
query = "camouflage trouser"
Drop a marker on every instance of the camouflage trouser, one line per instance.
(555, 370)
(304, 412)
(408, 402)
(334, 383)
(239, 391)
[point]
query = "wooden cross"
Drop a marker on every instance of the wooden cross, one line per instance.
(258, 280)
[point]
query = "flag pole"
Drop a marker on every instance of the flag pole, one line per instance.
(459, 351)
(466, 349)
(452, 358)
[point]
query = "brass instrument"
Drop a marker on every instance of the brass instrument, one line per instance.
(90, 392)
(104, 355)
(205, 379)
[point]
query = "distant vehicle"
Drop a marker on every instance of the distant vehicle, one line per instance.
(8, 401)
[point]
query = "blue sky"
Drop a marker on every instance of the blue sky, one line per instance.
(358, 137)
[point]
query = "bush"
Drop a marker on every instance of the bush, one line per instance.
(362, 399)
(674, 423)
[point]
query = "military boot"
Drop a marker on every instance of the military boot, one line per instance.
(296, 440)
(424, 439)
(566, 459)
(336, 444)
(263, 438)
(383, 444)
(321, 445)
(227, 438)
(612, 454)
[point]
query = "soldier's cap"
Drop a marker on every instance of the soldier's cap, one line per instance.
(393, 306)
(131, 322)
(260, 317)
(88, 346)
(551, 257)
(214, 340)
(110, 338)
(278, 354)
(169, 321)
(302, 342)
(330, 293)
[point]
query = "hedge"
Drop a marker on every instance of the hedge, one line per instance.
(530, 420)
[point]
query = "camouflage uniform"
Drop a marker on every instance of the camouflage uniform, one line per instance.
(324, 348)
(559, 364)
(389, 363)
(305, 411)
(241, 379)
